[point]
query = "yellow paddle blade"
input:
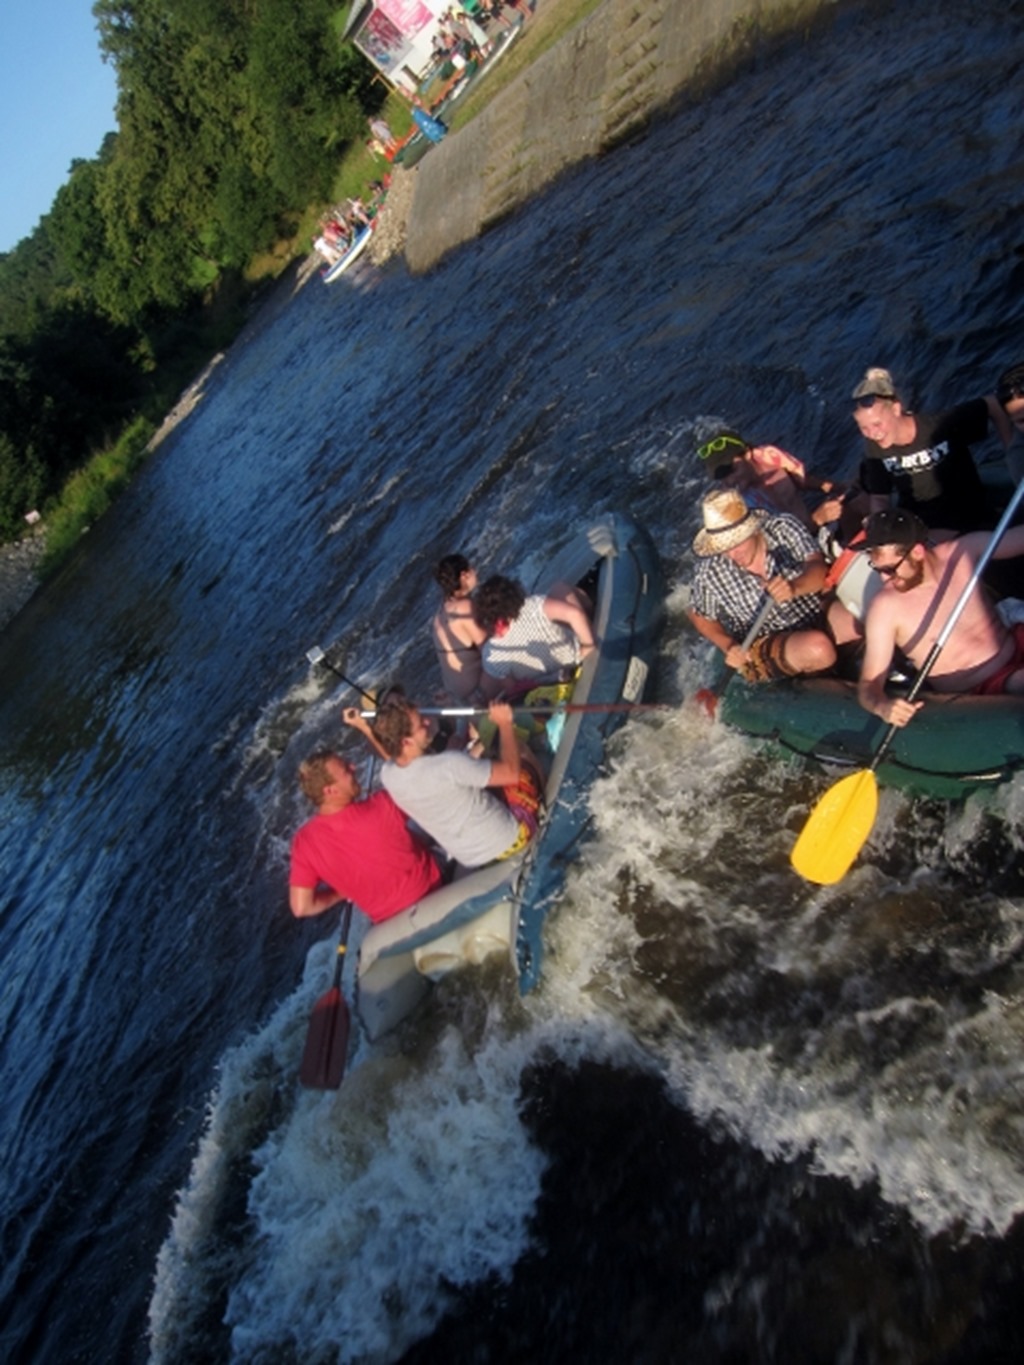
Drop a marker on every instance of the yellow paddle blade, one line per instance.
(836, 829)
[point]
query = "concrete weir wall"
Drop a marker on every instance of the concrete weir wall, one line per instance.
(597, 87)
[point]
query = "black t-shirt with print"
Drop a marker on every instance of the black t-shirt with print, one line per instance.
(935, 475)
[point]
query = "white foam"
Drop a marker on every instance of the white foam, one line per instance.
(885, 1080)
(418, 1173)
(857, 1028)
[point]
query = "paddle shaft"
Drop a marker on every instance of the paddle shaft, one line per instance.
(748, 640)
(954, 616)
(544, 708)
(342, 949)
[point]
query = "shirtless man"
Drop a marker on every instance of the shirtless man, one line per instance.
(923, 581)
(457, 638)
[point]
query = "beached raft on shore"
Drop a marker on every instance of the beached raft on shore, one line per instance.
(953, 746)
(358, 245)
(501, 908)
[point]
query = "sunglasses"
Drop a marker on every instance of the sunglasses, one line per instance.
(716, 446)
(889, 570)
(870, 399)
(1006, 393)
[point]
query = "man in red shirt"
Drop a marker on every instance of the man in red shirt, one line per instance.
(362, 851)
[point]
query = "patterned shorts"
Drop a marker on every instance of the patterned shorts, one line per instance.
(524, 800)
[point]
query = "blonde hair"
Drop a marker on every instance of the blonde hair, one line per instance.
(313, 775)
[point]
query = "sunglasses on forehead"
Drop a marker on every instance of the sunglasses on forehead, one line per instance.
(719, 444)
(869, 400)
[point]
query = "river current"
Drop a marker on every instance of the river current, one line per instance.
(742, 1118)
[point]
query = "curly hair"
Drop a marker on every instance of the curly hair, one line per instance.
(448, 573)
(499, 599)
(393, 724)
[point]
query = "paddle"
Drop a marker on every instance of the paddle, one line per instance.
(317, 656)
(323, 1057)
(542, 708)
(709, 697)
(840, 823)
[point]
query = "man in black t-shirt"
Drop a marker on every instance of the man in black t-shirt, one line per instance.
(925, 458)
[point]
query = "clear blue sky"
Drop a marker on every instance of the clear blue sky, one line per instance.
(57, 100)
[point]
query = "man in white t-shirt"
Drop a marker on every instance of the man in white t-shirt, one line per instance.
(450, 795)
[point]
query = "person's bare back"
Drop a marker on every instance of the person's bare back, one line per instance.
(456, 636)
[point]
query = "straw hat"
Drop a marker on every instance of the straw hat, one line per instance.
(728, 522)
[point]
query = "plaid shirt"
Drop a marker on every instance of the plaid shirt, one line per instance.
(725, 593)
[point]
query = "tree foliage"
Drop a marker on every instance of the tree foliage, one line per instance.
(231, 116)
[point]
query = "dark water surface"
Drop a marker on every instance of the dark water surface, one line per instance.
(743, 1119)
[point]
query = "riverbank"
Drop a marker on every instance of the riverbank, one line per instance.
(19, 574)
(601, 83)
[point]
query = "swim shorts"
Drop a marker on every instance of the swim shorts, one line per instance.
(996, 685)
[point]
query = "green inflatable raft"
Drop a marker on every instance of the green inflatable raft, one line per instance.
(954, 745)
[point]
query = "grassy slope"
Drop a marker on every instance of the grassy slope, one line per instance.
(91, 489)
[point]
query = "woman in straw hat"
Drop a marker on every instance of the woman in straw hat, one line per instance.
(743, 555)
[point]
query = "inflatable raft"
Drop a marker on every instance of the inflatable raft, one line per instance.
(501, 908)
(953, 746)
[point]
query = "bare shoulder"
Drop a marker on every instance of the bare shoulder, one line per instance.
(883, 612)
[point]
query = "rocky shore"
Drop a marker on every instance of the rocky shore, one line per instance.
(19, 574)
(393, 219)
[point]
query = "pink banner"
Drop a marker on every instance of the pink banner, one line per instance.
(408, 16)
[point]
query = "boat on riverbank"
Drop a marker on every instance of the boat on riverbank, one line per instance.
(359, 244)
(956, 744)
(501, 908)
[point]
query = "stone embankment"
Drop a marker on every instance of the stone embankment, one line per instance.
(599, 86)
(392, 222)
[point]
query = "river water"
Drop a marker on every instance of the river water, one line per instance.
(742, 1118)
